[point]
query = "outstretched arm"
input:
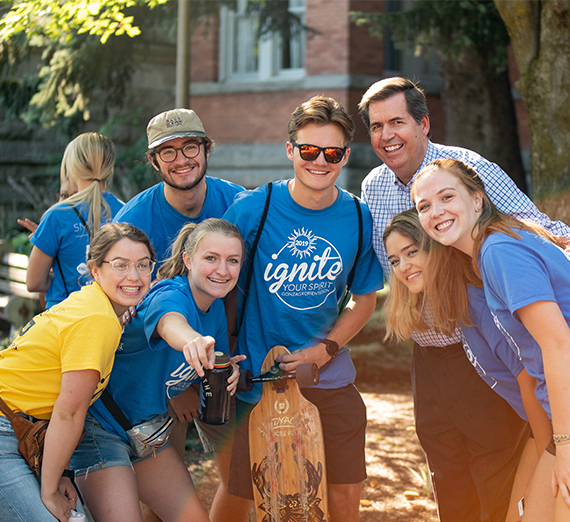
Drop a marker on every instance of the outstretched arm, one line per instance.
(349, 323)
(197, 349)
(547, 325)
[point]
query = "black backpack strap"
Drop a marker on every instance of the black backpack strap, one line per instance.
(252, 256)
(56, 262)
(360, 234)
(81, 218)
(346, 295)
(114, 410)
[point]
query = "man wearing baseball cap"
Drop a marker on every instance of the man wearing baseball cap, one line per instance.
(179, 150)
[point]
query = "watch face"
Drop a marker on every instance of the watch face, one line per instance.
(332, 347)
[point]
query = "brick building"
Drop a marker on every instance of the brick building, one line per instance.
(245, 90)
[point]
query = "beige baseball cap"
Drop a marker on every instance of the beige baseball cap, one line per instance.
(176, 123)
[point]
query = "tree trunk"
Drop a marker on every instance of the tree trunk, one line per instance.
(540, 35)
(479, 111)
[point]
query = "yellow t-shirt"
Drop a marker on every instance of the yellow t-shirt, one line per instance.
(80, 333)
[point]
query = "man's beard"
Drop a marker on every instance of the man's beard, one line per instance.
(192, 184)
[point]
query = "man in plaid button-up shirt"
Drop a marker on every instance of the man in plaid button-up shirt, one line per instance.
(396, 114)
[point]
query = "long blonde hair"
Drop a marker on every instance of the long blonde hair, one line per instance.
(89, 157)
(187, 241)
(452, 304)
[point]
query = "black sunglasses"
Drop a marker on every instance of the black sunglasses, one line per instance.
(311, 152)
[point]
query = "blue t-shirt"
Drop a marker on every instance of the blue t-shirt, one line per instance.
(489, 352)
(519, 272)
(300, 273)
(147, 372)
(150, 212)
(61, 234)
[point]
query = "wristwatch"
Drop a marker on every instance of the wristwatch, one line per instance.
(332, 347)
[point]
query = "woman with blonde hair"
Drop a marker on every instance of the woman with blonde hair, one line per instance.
(164, 350)
(62, 238)
(58, 365)
(461, 406)
(525, 273)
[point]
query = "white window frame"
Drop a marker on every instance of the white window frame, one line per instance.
(269, 50)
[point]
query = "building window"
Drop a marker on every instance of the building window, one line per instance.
(404, 62)
(246, 56)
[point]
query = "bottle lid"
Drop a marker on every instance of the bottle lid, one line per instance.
(222, 360)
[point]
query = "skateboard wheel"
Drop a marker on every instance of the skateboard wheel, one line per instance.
(244, 384)
(307, 375)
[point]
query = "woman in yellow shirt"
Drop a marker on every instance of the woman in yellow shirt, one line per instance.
(60, 364)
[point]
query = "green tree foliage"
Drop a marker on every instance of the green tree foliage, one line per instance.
(471, 41)
(55, 54)
(448, 26)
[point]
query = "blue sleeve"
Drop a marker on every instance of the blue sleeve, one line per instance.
(47, 236)
(161, 303)
(515, 274)
(245, 213)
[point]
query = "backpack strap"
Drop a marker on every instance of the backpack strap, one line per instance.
(360, 233)
(346, 295)
(252, 256)
(81, 218)
(114, 410)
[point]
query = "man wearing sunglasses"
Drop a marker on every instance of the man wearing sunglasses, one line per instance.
(306, 251)
(178, 150)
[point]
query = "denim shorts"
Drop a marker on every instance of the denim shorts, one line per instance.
(101, 449)
(19, 485)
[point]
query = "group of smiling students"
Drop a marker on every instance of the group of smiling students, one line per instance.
(456, 260)
(78, 349)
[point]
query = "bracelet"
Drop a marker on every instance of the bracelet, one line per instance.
(560, 440)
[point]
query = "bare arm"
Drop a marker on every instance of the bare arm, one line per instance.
(197, 349)
(62, 436)
(349, 323)
(545, 322)
(537, 417)
(38, 276)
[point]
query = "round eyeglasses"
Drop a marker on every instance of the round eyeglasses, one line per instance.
(120, 266)
(311, 152)
(190, 150)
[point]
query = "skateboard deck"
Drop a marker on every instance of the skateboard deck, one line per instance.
(287, 455)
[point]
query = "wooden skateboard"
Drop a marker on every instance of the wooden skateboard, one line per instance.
(287, 455)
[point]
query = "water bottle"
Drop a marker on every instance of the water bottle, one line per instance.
(214, 397)
(77, 517)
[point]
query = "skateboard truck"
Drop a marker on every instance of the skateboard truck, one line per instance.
(306, 375)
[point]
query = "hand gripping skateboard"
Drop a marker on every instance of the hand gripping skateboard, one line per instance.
(286, 445)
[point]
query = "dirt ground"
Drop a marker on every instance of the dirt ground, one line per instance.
(396, 488)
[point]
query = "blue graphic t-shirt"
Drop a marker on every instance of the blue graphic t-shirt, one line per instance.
(147, 372)
(61, 235)
(300, 273)
(150, 212)
(519, 272)
(489, 352)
